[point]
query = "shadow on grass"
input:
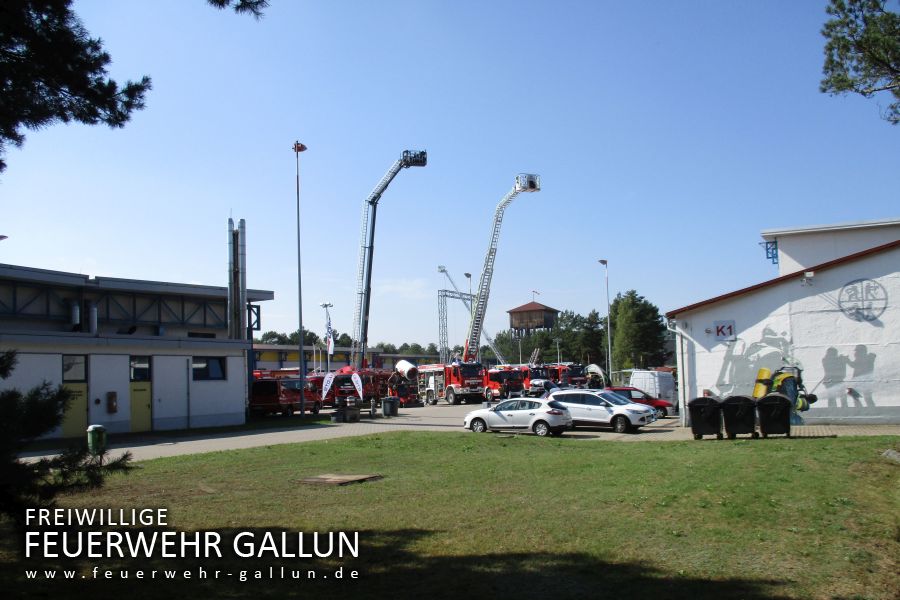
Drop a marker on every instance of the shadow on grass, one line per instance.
(388, 566)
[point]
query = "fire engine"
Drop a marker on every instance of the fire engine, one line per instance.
(453, 383)
(374, 382)
(313, 390)
(534, 377)
(502, 382)
(466, 379)
(567, 374)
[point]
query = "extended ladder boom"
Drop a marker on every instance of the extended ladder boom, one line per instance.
(410, 158)
(524, 183)
(466, 302)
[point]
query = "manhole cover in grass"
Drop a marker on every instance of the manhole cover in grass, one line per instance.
(332, 479)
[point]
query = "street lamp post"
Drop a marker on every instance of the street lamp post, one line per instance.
(558, 359)
(471, 300)
(520, 348)
(605, 264)
(326, 306)
(301, 364)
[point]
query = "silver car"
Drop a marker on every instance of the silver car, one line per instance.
(590, 407)
(543, 416)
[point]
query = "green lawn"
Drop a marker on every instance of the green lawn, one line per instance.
(459, 515)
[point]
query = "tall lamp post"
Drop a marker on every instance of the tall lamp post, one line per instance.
(326, 306)
(520, 347)
(605, 264)
(301, 363)
(471, 300)
(558, 359)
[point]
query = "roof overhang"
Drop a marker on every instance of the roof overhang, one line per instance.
(770, 234)
(777, 280)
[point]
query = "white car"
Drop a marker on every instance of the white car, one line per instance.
(543, 416)
(593, 407)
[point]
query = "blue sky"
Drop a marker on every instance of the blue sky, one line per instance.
(667, 135)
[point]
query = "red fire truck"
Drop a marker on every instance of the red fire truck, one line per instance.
(453, 382)
(281, 395)
(533, 378)
(313, 390)
(374, 382)
(567, 374)
(502, 382)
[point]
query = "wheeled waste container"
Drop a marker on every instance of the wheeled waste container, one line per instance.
(706, 417)
(390, 406)
(739, 416)
(96, 439)
(774, 415)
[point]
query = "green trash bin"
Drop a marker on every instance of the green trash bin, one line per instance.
(96, 439)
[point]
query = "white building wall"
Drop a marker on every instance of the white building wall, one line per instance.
(170, 391)
(178, 402)
(843, 328)
(217, 403)
(109, 373)
(801, 250)
(32, 369)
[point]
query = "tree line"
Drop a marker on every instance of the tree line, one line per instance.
(638, 340)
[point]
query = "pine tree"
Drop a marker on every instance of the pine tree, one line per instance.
(24, 417)
(862, 54)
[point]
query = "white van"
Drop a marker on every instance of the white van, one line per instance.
(659, 384)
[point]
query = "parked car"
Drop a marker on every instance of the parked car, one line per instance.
(663, 407)
(595, 407)
(540, 415)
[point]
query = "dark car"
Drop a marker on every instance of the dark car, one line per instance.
(663, 407)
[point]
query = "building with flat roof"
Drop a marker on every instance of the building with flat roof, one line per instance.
(136, 355)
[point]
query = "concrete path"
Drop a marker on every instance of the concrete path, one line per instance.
(442, 417)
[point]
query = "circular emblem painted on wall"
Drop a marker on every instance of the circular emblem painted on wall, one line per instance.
(863, 300)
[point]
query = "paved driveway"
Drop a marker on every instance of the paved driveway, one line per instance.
(442, 417)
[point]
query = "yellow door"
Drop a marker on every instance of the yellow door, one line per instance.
(141, 417)
(74, 422)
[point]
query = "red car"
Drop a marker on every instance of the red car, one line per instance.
(663, 407)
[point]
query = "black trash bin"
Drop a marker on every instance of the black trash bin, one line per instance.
(774, 415)
(706, 417)
(389, 406)
(739, 415)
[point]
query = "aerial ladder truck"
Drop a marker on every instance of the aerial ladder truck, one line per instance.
(409, 158)
(466, 379)
(524, 183)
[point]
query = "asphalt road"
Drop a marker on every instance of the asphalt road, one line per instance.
(441, 417)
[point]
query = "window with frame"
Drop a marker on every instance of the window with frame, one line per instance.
(139, 368)
(209, 368)
(74, 368)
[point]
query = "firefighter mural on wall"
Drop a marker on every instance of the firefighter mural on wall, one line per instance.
(742, 362)
(764, 369)
(841, 390)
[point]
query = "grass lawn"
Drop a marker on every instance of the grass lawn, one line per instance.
(459, 515)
